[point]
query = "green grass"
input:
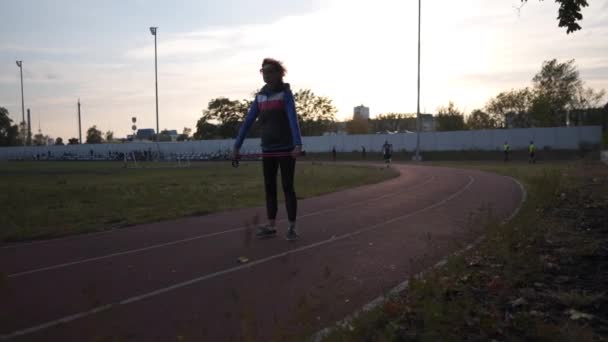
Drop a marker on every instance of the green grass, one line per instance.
(545, 155)
(50, 199)
(464, 302)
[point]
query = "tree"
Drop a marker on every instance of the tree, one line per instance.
(59, 141)
(40, 139)
(94, 136)
(358, 126)
(586, 107)
(316, 114)
(586, 98)
(9, 134)
(557, 83)
(205, 130)
(511, 108)
(540, 112)
(185, 134)
(569, 13)
(109, 136)
(478, 119)
(225, 114)
(73, 141)
(164, 135)
(450, 118)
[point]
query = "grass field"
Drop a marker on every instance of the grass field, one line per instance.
(50, 199)
(541, 277)
(465, 156)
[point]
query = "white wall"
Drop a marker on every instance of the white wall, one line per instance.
(567, 138)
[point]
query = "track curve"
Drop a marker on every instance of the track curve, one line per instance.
(165, 280)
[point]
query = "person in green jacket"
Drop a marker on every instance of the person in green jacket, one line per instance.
(506, 149)
(532, 152)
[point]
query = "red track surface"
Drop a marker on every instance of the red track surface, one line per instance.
(163, 281)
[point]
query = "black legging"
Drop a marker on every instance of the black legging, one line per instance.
(288, 166)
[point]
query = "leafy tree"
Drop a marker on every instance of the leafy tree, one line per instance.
(59, 141)
(511, 108)
(185, 134)
(223, 114)
(316, 114)
(40, 139)
(450, 118)
(557, 84)
(94, 136)
(9, 134)
(109, 136)
(587, 98)
(569, 13)
(73, 141)
(205, 130)
(478, 119)
(587, 108)
(540, 112)
(164, 135)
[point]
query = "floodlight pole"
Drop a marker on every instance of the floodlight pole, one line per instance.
(418, 123)
(153, 31)
(20, 65)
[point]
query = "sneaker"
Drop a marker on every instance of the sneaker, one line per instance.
(266, 232)
(291, 234)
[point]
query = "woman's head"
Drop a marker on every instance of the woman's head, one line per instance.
(272, 71)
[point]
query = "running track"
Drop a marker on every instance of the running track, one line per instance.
(180, 280)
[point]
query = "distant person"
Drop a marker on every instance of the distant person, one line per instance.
(387, 152)
(333, 153)
(506, 148)
(532, 152)
(274, 107)
(363, 155)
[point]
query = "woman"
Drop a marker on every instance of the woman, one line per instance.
(274, 108)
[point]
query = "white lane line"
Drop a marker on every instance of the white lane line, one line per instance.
(160, 291)
(345, 322)
(203, 236)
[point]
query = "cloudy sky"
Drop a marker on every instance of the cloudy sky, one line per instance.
(355, 52)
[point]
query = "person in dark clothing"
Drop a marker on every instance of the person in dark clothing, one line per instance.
(274, 108)
(387, 152)
(333, 153)
(363, 155)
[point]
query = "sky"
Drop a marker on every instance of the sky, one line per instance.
(354, 52)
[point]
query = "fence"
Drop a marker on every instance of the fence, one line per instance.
(562, 138)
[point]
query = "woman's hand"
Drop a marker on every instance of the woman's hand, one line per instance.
(296, 152)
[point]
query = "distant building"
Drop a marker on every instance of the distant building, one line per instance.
(145, 134)
(361, 112)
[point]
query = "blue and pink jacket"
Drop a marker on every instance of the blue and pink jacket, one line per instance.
(276, 113)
